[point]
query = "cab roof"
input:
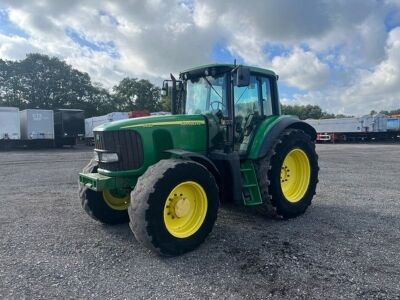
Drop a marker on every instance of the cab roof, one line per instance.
(225, 67)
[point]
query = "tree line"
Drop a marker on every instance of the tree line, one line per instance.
(44, 82)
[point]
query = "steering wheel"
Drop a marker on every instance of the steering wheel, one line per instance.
(218, 103)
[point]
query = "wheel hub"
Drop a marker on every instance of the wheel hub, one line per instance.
(185, 209)
(182, 207)
(295, 175)
(285, 173)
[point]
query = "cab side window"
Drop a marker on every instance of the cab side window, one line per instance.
(266, 96)
(246, 99)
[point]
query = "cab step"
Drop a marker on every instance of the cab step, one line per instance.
(250, 191)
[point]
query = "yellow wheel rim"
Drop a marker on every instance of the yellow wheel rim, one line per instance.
(295, 175)
(185, 209)
(116, 201)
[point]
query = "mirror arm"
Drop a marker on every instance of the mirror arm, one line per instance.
(174, 106)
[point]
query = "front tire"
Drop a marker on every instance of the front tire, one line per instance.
(288, 175)
(174, 206)
(105, 206)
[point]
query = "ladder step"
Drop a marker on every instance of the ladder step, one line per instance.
(251, 193)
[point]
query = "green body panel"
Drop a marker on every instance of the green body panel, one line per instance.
(251, 191)
(262, 133)
(98, 182)
(160, 133)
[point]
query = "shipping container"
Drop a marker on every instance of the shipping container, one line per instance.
(393, 124)
(9, 123)
(336, 125)
(37, 124)
(69, 124)
(375, 123)
(91, 123)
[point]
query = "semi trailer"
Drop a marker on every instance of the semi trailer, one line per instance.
(362, 129)
(91, 123)
(69, 125)
(33, 128)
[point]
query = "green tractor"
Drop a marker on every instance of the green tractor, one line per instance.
(225, 140)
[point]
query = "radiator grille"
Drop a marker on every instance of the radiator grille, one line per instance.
(128, 145)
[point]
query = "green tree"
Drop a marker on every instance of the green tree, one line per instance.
(40, 81)
(165, 104)
(134, 94)
(303, 111)
(343, 116)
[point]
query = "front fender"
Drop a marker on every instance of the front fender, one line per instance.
(271, 128)
(197, 157)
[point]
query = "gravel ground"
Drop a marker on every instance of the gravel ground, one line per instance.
(345, 246)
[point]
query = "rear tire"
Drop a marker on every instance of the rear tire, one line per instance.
(95, 205)
(281, 197)
(161, 218)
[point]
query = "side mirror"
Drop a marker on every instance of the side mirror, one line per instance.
(242, 77)
(164, 89)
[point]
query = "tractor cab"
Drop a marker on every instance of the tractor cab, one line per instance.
(234, 99)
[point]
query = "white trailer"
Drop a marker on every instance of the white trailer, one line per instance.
(37, 124)
(9, 123)
(336, 125)
(365, 128)
(91, 123)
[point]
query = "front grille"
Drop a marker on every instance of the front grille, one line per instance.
(128, 145)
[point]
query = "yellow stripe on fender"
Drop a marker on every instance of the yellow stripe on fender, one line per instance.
(183, 123)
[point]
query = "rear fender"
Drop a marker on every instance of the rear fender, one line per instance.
(272, 132)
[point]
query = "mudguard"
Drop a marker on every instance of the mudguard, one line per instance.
(270, 130)
(201, 159)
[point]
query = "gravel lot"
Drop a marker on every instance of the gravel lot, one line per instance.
(347, 245)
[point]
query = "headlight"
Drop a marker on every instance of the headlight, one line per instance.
(107, 157)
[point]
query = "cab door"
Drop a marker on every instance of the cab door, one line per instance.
(252, 104)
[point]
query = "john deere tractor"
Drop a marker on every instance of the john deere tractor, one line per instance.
(225, 140)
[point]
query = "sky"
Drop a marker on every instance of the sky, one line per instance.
(343, 55)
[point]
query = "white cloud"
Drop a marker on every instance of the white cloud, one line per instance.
(351, 63)
(301, 69)
(15, 47)
(377, 89)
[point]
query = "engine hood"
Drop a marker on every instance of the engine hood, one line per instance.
(153, 121)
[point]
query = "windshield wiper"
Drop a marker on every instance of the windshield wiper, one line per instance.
(209, 83)
(241, 94)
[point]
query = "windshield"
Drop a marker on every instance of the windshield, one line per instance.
(206, 94)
